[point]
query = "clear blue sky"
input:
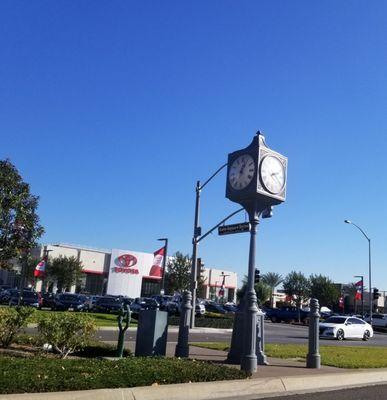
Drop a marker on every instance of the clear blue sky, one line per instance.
(113, 109)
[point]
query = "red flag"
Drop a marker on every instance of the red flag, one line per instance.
(359, 287)
(40, 270)
(157, 265)
(341, 302)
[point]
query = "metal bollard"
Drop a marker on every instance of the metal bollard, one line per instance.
(182, 347)
(313, 359)
(260, 349)
(123, 316)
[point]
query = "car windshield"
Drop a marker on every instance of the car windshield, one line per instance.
(335, 320)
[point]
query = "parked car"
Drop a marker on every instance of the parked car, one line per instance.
(108, 304)
(166, 303)
(214, 307)
(378, 320)
(287, 314)
(230, 308)
(344, 327)
(143, 303)
(48, 301)
(6, 295)
(90, 302)
(29, 299)
(70, 302)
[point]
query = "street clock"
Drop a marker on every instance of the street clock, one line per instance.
(256, 175)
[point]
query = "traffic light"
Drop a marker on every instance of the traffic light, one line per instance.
(257, 277)
(199, 269)
(376, 294)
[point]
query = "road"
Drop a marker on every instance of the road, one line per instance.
(377, 392)
(275, 333)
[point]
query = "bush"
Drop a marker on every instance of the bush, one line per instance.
(52, 375)
(66, 332)
(12, 320)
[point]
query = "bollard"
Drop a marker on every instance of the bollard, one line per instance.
(260, 347)
(123, 316)
(182, 347)
(313, 359)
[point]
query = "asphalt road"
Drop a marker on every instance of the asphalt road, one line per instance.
(275, 333)
(378, 392)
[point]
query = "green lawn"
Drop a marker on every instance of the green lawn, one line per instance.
(99, 318)
(335, 356)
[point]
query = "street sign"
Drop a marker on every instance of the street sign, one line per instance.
(234, 228)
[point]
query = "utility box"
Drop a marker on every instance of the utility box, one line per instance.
(152, 332)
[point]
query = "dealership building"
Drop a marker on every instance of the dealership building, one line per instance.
(127, 273)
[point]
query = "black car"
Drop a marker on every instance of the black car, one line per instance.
(70, 302)
(108, 304)
(29, 299)
(48, 300)
(214, 308)
(166, 303)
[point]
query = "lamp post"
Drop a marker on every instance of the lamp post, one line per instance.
(369, 264)
(162, 288)
(195, 241)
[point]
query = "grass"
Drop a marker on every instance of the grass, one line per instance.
(335, 356)
(38, 374)
(99, 318)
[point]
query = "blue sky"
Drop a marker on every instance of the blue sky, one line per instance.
(113, 109)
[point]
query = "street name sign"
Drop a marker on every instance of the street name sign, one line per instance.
(234, 228)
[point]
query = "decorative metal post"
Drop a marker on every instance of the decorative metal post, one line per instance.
(261, 357)
(249, 358)
(123, 316)
(182, 347)
(313, 359)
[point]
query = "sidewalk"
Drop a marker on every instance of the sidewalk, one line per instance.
(279, 378)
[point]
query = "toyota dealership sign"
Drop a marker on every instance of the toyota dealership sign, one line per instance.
(126, 271)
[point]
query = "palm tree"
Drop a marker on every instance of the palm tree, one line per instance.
(272, 279)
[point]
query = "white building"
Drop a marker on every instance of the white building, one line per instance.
(131, 273)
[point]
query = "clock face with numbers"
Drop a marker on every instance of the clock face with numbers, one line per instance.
(272, 174)
(241, 172)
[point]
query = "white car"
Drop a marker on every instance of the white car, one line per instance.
(344, 327)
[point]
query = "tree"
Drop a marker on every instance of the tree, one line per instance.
(19, 223)
(272, 279)
(262, 290)
(297, 285)
(178, 273)
(324, 290)
(65, 270)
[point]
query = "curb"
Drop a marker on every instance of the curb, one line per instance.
(171, 329)
(247, 389)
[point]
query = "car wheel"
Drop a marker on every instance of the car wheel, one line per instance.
(340, 334)
(366, 335)
(274, 319)
(305, 321)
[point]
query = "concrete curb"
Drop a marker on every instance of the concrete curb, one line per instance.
(247, 389)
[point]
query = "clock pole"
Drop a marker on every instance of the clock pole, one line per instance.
(249, 357)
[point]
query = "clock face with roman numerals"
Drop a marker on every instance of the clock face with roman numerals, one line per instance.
(241, 172)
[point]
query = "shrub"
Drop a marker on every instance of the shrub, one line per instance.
(12, 320)
(66, 332)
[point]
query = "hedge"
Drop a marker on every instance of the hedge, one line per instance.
(19, 375)
(220, 322)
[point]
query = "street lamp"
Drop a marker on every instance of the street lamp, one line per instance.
(369, 263)
(165, 240)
